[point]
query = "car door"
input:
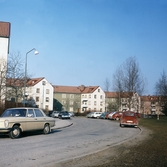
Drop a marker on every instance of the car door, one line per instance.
(31, 120)
(40, 119)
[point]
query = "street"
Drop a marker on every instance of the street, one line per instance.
(84, 137)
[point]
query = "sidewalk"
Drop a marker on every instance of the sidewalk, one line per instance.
(62, 123)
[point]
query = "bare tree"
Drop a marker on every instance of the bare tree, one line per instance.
(161, 85)
(161, 91)
(3, 69)
(15, 77)
(128, 78)
(107, 85)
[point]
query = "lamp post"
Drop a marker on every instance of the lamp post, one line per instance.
(25, 77)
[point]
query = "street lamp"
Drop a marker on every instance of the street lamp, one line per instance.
(25, 77)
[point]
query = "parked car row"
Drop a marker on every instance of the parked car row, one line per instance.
(62, 114)
(127, 118)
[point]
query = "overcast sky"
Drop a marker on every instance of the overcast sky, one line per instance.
(84, 41)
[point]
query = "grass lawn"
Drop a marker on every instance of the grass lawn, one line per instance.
(152, 152)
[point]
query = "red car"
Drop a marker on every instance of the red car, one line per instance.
(115, 115)
(129, 118)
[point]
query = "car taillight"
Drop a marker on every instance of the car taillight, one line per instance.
(6, 123)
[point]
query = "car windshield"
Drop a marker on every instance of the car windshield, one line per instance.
(129, 114)
(14, 113)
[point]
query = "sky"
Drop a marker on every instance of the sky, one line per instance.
(83, 42)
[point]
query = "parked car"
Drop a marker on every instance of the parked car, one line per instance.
(89, 115)
(64, 115)
(103, 115)
(55, 114)
(129, 118)
(108, 114)
(71, 114)
(96, 114)
(115, 115)
(14, 121)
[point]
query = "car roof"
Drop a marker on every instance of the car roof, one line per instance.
(22, 108)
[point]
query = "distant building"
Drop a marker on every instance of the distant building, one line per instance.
(92, 99)
(119, 101)
(153, 105)
(80, 98)
(41, 91)
(67, 98)
(4, 50)
(4, 41)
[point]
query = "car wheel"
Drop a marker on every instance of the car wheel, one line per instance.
(121, 125)
(117, 118)
(46, 129)
(15, 132)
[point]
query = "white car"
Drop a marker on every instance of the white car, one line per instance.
(96, 114)
(16, 120)
(55, 114)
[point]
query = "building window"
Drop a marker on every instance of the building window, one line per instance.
(71, 109)
(82, 96)
(63, 102)
(89, 102)
(46, 107)
(37, 99)
(101, 96)
(47, 91)
(71, 96)
(38, 90)
(98, 90)
(100, 109)
(43, 82)
(90, 96)
(63, 95)
(101, 103)
(71, 102)
(95, 96)
(95, 103)
(47, 99)
(85, 96)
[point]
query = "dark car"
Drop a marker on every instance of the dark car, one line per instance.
(64, 115)
(103, 115)
(129, 118)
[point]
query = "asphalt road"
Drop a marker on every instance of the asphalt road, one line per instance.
(84, 137)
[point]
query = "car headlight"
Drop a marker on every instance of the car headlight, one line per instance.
(6, 123)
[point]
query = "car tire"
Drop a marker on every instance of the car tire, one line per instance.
(46, 129)
(121, 125)
(117, 118)
(15, 132)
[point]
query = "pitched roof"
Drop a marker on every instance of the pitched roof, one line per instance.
(74, 89)
(34, 81)
(4, 29)
(90, 89)
(66, 89)
(117, 94)
(14, 82)
(20, 82)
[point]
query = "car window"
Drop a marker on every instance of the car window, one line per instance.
(30, 113)
(14, 113)
(129, 114)
(38, 113)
